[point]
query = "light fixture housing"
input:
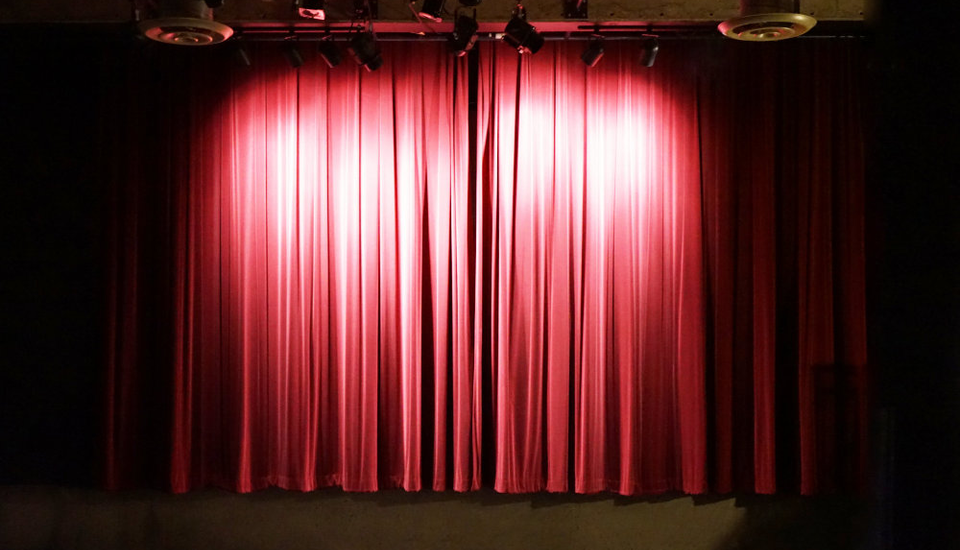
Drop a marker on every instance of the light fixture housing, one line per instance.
(464, 34)
(329, 52)
(767, 21)
(242, 56)
(522, 35)
(648, 51)
(291, 50)
(183, 23)
(432, 10)
(311, 9)
(591, 56)
(365, 51)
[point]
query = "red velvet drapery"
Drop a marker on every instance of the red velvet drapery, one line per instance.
(597, 279)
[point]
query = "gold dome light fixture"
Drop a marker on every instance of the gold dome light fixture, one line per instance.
(767, 21)
(182, 22)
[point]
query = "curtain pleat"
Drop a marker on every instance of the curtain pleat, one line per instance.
(588, 279)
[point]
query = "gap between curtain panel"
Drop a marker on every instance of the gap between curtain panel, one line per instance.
(609, 279)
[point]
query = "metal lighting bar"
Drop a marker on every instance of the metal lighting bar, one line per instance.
(307, 29)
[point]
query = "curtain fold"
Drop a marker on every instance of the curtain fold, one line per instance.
(609, 279)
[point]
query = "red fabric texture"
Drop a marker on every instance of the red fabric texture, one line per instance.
(609, 279)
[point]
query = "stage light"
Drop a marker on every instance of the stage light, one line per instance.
(329, 52)
(649, 52)
(365, 51)
(242, 56)
(432, 10)
(591, 56)
(311, 9)
(292, 52)
(367, 9)
(464, 34)
(522, 35)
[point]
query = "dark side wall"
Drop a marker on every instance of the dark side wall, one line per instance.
(913, 152)
(50, 235)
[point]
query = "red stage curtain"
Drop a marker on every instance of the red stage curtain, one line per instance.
(593, 181)
(612, 279)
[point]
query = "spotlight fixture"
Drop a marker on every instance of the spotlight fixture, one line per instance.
(366, 9)
(591, 56)
(574, 9)
(649, 52)
(464, 34)
(365, 51)
(292, 52)
(243, 58)
(311, 9)
(432, 10)
(329, 52)
(522, 35)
